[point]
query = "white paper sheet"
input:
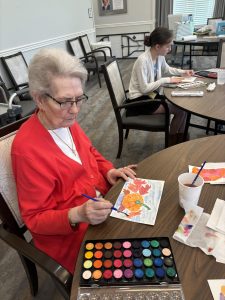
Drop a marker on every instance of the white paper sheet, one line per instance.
(189, 79)
(217, 287)
(217, 218)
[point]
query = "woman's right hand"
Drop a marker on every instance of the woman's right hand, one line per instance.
(92, 212)
(176, 79)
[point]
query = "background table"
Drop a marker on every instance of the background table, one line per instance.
(194, 267)
(210, 106)
(206, 43)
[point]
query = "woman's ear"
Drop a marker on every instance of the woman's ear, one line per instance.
(39, 100)
(157, 46)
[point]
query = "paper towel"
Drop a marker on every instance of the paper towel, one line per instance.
(189, 38)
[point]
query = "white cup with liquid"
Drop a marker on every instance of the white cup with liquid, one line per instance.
(188, 194)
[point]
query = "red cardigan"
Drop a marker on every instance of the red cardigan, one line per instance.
(49, 183)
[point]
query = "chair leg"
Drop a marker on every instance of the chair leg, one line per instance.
(120, 143)
(208, 126)
(182, 57)
(216, 128)
(166, 139)
(99, 79)
(126, 134)
(186, 127)
(31, 272)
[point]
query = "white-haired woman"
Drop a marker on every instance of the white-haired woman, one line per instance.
(55, 163)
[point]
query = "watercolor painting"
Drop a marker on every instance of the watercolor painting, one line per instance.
(213, 173)
(139, 199)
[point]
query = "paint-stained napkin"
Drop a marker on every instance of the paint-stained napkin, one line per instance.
(193, 232)
(187, 225)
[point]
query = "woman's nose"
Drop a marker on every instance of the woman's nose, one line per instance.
(74, 108)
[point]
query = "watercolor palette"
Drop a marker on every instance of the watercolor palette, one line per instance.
(119, 262)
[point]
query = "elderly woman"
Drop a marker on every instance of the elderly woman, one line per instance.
(55, 163)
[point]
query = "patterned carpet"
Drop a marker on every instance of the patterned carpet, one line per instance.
(98, 121)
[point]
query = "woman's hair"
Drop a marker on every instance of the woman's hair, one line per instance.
(50, 63)
(160, 36)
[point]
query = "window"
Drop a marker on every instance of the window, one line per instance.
(200, 9)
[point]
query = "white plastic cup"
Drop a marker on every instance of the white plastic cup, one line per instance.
(221, 76)
(188, 195)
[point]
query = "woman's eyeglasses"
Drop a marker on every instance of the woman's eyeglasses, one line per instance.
(66, 104)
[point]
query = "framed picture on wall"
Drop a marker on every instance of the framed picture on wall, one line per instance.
(112, 7)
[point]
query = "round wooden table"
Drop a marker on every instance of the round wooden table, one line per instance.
(210, 106)
(194, 267)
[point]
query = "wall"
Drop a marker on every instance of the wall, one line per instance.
(27, 25)
(140, 17)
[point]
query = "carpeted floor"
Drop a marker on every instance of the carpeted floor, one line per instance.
(98, 121)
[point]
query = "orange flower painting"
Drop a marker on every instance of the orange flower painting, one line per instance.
(140, 199)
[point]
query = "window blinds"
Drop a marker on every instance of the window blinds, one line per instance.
(200, 9)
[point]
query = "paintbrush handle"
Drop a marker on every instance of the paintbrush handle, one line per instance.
(89, 197)
(199, 171)
(96, 200)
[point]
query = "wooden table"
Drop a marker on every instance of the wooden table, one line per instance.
(210, 106)
(194, 267)
(203, 42)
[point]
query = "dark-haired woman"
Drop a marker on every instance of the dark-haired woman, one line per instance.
(150, 72)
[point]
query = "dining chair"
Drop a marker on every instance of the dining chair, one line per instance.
(3, 92)
(220, 63)
(16, 67)
(221, 54)
(213, 23)
(89, 61)
(12, 229)
(212, 49)
(28, 106)
(119, 99)
(100, 53)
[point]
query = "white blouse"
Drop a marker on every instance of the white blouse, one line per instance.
(64, 141)
(142, 77)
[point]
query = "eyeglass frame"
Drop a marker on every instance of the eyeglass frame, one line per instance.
(77, 101)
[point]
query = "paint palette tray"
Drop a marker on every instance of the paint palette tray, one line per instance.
(128, 262)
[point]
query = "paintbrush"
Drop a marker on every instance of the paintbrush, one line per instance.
(199, 171)
(113, 208)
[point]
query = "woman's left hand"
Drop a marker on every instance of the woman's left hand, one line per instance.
(127, 172)
(189, 72)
